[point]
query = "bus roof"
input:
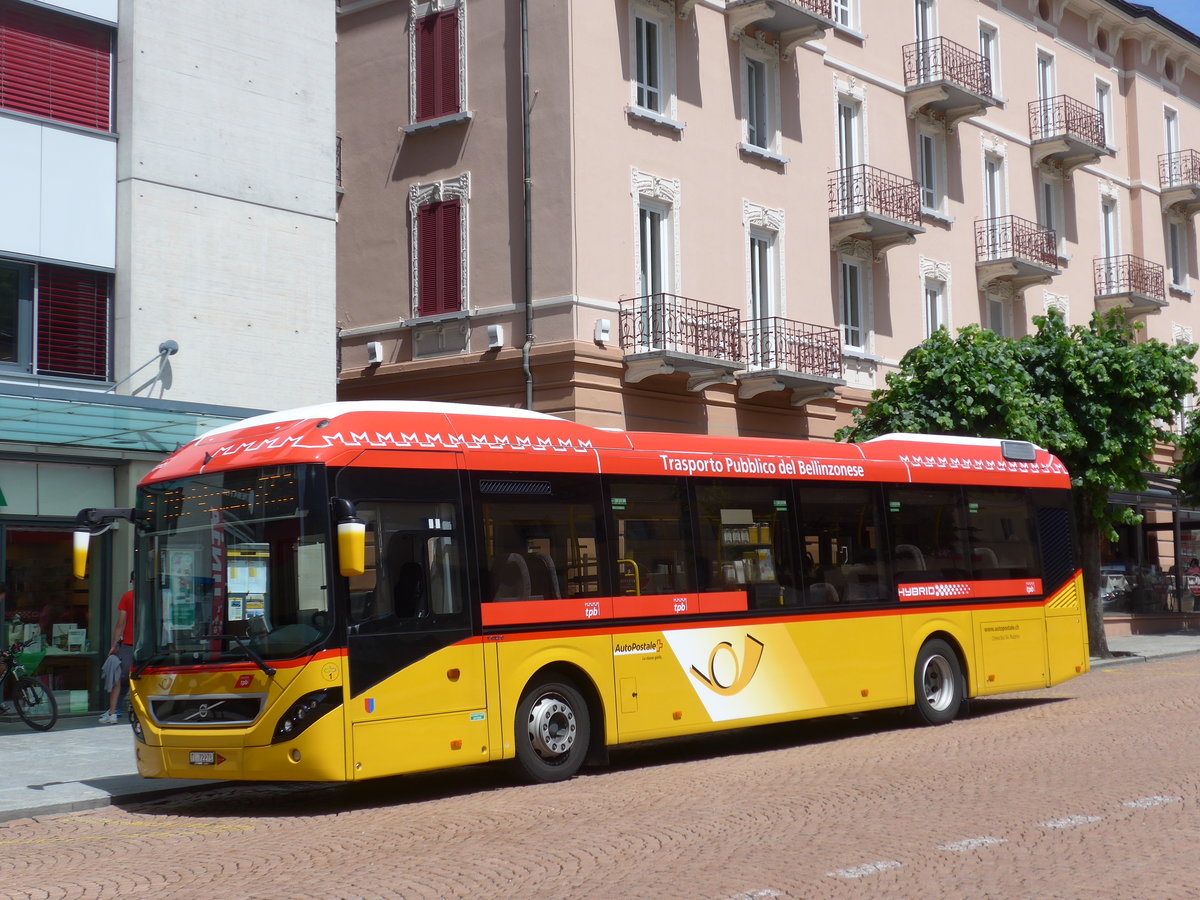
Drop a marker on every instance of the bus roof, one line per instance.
(490, 437)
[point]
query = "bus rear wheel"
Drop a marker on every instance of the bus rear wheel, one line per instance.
(552, 731)
(938, 680)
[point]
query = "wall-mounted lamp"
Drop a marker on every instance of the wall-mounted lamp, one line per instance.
(374, 353)
(495, 337)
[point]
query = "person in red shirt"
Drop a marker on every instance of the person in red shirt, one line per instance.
(122, 649)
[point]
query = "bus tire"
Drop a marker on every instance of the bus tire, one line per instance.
(552, 731)
(939, 685)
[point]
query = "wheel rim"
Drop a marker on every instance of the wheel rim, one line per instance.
(552, 727)
(938, 682)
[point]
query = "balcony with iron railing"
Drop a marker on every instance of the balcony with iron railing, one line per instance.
(795, 22)
(662, 334)
(875, 206)
(1131, 283)
(1179, 181)
(1014, 250)
(1066, 131)
(784, 355)
(946, 79)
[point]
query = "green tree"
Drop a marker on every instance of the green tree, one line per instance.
(1093, 395)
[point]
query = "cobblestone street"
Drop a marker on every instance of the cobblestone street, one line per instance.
(1087, 790)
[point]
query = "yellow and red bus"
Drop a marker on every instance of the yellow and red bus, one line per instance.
(357, 590)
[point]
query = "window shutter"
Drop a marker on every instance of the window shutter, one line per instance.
(427, 302)
(447, 64)
(437, 65)
(55, 67)
(439, 245)
(72, 323)
(426, 67)
(450, 256)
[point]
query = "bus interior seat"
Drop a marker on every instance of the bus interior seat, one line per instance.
(821, 593)
(512, 579)
(543, 577)
(984, 558)
(909, 558)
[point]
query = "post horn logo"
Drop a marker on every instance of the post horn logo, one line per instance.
(743, 670)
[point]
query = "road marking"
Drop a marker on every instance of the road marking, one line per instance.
(863, 871)
(975, 843)
(760, 894)
(1070, 822)
(1148, 802)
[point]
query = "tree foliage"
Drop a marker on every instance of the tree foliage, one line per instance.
(1094, 395)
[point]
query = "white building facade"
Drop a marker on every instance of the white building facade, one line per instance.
(166, 262)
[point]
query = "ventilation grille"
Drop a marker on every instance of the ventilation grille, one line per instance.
(239, 710)
(1058, 550)
(525, 488)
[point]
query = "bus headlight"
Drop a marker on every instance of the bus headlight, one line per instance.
(304, 712)
(136, 724)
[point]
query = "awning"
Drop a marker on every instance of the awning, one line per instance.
(41, 415)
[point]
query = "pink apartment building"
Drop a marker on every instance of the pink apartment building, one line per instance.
(735, 216)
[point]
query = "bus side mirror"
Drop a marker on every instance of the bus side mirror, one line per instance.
(352, 540)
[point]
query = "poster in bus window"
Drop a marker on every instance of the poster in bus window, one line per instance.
(181, 589)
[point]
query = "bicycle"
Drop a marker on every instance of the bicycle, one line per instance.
(33, 702)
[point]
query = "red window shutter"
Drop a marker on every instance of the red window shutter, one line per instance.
(447, 64)
(72, 323)
(437, 65)
(439, 245)
(54, 66)
(450, 256)
(427, 302)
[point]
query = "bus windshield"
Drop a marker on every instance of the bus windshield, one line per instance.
(233, 565)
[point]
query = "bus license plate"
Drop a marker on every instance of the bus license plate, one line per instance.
(202, 758)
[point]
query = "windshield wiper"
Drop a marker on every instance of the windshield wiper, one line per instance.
(250, 651)
(136, 672)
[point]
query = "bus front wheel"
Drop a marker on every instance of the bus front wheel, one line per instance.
(552, 731)
(938, 681)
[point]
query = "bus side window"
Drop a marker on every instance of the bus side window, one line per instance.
(744, 541)
(929, 530)
(840, 526)
(539, 536)
(650, 536)
(1002, 533)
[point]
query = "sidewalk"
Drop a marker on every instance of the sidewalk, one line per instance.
(84, 765)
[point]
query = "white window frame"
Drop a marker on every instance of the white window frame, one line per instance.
(857, 304)
(934, 306)
(419, 195)
(419, 9)
(998, 318)
(989, 36)
(661, 16)
(845, 14)
(931, 167)
(661, 195)
(1104, 105)
(762, 104)
(1177, 254)
(1051, 208)
(925, 19)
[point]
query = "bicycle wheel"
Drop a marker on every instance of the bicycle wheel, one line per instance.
(35, 704)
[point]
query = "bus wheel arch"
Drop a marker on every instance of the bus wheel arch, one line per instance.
(559, 724)
(939, 680)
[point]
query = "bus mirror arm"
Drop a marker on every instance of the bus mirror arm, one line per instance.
(92, 522)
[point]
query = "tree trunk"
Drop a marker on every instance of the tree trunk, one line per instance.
(1089, 540)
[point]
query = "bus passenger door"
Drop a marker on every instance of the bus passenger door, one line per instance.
(416, 688)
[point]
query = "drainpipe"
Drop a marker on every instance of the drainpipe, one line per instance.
(528, 207)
